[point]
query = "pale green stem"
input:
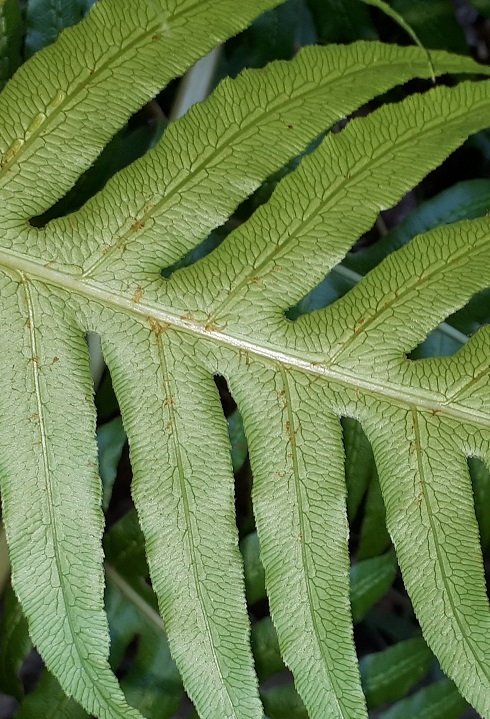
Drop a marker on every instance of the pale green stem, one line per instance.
(196, 84)
(97, 363)
(132, 595)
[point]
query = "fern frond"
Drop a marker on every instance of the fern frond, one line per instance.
(164, 340)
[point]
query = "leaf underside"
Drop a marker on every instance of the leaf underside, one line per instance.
(99, 270)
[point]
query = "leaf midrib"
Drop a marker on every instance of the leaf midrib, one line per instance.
(151, 313)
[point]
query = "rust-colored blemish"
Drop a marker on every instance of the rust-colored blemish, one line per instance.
(138, 225)
(168, 402)
(291, 433)
(188, 317)
(359, 324)
(156, 327)
(157, 36)
(55, 360)
(414, 447)
(36, 360)
(11, 153)
(138, 295)
(210, 327)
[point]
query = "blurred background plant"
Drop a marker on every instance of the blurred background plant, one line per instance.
(401, 678)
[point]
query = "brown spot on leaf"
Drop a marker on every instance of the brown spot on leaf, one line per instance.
(138, 225)
(210, 327)
(291, 432)
(138, 295)
(156, 327)
(359, 325)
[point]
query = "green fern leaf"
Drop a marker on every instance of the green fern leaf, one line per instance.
(437, 701)
(10, 38)
(99, 270)
(390, 674)
(45, 19)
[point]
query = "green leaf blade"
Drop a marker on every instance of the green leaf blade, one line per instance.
(313, 517)
(45, 108)
(330, 184)
(189, 526)
(446, 583)
(390, 674)
(370, 580)
(437, 701)
(55, 550)
(282, 108)
(164, 341)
